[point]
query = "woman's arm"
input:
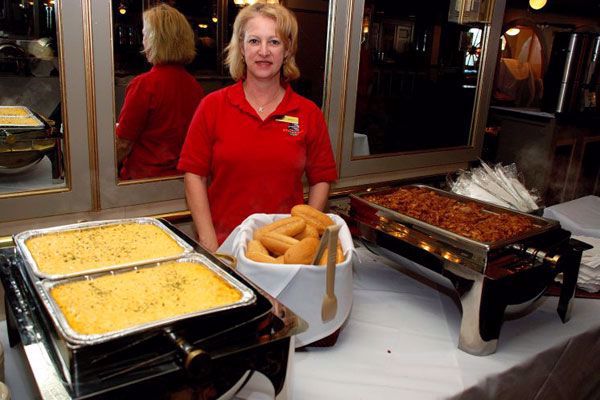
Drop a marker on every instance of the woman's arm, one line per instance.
(318, 195)
(196, 194)
(123, 148)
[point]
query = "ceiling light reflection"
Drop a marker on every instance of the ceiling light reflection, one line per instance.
(513, 31)
(537, 4)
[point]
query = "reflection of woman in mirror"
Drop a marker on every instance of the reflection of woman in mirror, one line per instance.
(159, 104)
(255, 140)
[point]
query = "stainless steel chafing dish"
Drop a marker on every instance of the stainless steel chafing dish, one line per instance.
(489, 277)
(25, 138)
(210, 351)
(446, 244)
(20, 240)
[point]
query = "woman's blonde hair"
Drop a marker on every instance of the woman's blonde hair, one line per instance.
(287, 30)
(168, 36)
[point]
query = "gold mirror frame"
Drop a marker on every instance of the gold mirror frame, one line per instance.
(75, 196)
(358, 171)
(110, 192)
(65, 186)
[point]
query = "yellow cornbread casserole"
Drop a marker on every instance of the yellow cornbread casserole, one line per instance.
(14, 111)
(112, 303)
(20, 121)
(76, 251)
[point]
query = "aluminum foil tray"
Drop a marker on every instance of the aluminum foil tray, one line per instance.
(43, 288)
(35, 272)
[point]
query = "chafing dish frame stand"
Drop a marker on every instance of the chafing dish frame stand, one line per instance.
(482, 311)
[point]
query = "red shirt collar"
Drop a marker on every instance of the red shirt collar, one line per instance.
(288, 104)
(167, 66)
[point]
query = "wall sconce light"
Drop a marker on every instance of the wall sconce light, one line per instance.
(122, 9)
(203, 26)
(214, 19)
(537, 4)
(513, 31)
(365, 25)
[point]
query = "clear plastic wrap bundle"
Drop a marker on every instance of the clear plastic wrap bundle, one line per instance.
(498, 185)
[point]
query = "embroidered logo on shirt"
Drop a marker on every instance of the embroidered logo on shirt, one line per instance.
(293, 127)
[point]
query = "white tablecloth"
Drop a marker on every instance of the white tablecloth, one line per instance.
(580, 216)
(400, 342)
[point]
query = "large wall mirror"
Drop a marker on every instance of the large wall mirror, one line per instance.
(416, 87)
(32, 146)
(210, 20)
(118, 35)
(44, 142)
(417, 78)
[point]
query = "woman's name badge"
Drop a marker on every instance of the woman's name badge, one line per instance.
(289, 119)
(293, 128)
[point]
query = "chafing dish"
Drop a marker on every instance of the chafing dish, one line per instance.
(25, 138)
(210, 353)
(488, 277)
(33, 268)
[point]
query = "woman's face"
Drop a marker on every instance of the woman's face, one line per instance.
(263, 49)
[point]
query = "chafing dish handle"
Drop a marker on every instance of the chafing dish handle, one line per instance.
(196, 362)
(569, 265)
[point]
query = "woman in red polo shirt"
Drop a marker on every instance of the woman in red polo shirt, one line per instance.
(160, 103)
(249, 144)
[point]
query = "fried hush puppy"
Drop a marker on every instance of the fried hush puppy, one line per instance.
(292, 240)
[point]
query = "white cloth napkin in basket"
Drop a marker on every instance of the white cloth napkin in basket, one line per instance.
(299, 287)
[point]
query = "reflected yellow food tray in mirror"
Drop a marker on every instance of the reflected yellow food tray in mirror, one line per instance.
(28, 121)
(68, 252)
(14, 111)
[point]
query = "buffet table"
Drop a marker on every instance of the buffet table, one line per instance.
(400, 341)
(580, 216)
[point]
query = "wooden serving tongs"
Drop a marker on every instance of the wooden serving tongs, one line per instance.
(329, 240)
